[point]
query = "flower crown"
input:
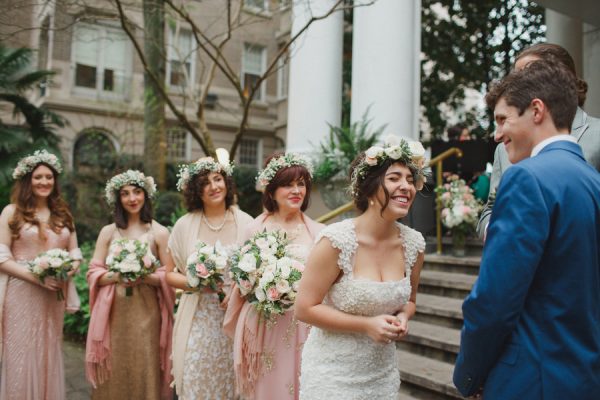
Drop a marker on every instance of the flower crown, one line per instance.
(130, 177)
(283, 161)
(410, 153)
(30, 162)
(187, 171)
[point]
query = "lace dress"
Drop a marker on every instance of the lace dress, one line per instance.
(349, 365)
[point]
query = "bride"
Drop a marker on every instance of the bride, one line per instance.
(359, 288)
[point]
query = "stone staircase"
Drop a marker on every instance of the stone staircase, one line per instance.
(428, 353)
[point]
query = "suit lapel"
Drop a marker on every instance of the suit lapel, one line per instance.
(580, 124)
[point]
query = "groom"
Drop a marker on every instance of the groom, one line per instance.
(532, 321)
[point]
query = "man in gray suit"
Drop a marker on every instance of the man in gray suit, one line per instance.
(585, 129)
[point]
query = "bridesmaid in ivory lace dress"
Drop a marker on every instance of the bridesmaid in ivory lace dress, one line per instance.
(267, 353)
(31, 317)
(129, 338)
(360, 284)
(202, 354)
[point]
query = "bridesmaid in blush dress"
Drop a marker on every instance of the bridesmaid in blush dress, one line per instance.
(37, 220)
(128, 345)
(267, 353)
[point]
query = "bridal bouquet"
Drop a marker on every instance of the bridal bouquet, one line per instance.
(266, 274)
(56, 263)
(205, 267)
(132, 259)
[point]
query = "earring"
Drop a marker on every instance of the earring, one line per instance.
(372, 202)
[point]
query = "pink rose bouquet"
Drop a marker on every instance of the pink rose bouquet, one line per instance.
(266, 273)
(56, 263)
(205, 267)
(132, 259)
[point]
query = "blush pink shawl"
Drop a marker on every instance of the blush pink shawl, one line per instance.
(97, 351)
(246, 329)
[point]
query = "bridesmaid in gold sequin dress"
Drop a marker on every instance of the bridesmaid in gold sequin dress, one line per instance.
(129, 338)
(202, 354)
(31, 316)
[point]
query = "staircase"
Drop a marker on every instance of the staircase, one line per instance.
(428, 353)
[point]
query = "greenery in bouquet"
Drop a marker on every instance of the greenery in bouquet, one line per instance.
(460, 208)
(266, 274)
(334, 154)
(56, 263)
(132, 259)
(205, 267)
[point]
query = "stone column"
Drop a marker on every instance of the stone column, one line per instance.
(315, 88)
(386, 52)
(568, 33)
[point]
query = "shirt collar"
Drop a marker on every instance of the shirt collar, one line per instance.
(563, 136)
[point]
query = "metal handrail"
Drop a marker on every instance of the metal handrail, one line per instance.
(437, 162)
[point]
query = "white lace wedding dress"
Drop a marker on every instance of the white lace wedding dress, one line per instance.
(349, 365)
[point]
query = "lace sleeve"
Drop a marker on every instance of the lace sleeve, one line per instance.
(342, 237)
(414, 243)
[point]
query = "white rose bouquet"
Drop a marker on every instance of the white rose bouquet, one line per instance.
(132, 259)
(56, 263)
(266, 274)
(205, 267)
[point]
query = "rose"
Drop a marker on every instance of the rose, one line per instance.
(221, 262)
(202, 271)
(130, 247)
(247, 263)
(245, 286)
(371, 155)
(273, 294)
(43, 263)
(394, 152)
(55, 262)
(260, 294)
(262, 244)
(416, 149)
(297, 265)
(192, 279)
(282, 286)
(295, 287)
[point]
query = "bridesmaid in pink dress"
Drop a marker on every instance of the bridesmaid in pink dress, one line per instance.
(267, 353)
(31, 316)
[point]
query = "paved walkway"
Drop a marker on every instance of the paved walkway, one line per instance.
(77, 387)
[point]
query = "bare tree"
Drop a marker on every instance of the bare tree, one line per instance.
(212, 47)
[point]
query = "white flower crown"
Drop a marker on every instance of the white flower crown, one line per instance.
(411, 153)
(30, 162)
(284, 161)
(130, 177)
(187, 171)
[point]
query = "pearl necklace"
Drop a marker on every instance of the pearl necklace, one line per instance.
(215, 228)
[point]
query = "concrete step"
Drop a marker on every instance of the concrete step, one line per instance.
(433, 341)
(439, 310)
(449, 284)
(426, 378)
(447, 263)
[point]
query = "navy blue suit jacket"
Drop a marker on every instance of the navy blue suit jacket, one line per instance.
(532, 321)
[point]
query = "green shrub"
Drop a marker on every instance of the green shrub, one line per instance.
(165, 205)
(249, 200)
(76, 324)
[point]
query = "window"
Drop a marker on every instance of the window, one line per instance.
(259, 5)
(250, 152)
(93, 150)
(253, 66)
(177, 144)
(181, 58)
(283, 70)
(102, 59)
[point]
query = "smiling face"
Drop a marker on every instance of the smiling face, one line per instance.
(42, 181)
(215, 190)
(290, 197)
(132, 198)
(399, 183)
(514, 130)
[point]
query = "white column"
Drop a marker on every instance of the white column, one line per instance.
(568, 33)
(386, 48)
(591, 72)
(315, 88)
